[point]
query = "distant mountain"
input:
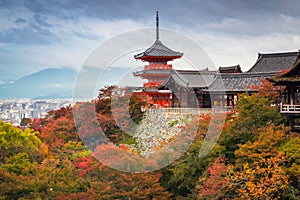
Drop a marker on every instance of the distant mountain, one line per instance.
(59, 82)
(43, 83)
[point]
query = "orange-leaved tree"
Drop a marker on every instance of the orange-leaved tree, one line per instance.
(268, 89)
(266, 179)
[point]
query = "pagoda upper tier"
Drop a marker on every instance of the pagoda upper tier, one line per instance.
(158, 53)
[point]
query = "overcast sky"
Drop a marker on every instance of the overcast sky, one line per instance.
(35, 35)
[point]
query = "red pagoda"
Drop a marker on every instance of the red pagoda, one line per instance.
(157, 71)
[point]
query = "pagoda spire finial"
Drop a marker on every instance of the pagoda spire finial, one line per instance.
(157, 26)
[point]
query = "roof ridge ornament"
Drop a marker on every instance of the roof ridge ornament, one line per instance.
(157, 26)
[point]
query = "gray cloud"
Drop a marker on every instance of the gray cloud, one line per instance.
(252, 26)
(41, 20)
(20, 21)
(202, 10)
(31, 34)
(231, 16)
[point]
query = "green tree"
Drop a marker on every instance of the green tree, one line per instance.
(181, 177)
(291, 148)
(47, 180)
(13, 141)
(253, 112)
(125, 109)
(136, 105)
(18, 164)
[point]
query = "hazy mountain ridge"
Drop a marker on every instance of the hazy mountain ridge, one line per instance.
(46, 82)
(52, 83)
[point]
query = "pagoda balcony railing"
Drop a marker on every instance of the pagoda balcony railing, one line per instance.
(288, 108)
(152, 84)
(157, 66)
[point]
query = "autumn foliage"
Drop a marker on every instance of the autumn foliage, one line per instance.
(213, 184)
(256, 156)
(268, 90)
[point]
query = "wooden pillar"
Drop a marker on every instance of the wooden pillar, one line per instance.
(222, 101)
(173, 100)
(292, 96)
(212, 103)
(180, 97)
(288, 95)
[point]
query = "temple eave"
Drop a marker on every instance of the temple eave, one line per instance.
(162, 57)
(150, 75)
(284, 80)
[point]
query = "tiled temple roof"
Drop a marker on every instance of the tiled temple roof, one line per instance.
(266, 67)
(291, 75)
(294, 71)
(274, 62)
(237, 82)
(188, 78)
(213, 81)
(230, 69)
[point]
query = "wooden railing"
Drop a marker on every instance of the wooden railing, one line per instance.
(190, 110)
(287, 108)
(221, 109)
(157, 66)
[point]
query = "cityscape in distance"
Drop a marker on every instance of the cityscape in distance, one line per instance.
(34, 95)
(14, 110)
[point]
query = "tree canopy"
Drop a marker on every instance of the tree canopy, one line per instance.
(256, 156)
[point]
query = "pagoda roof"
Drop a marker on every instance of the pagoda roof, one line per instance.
(237, 82)
(152, 71)
(158, 50)
(189, 78)
(230, 69)
(274, 62)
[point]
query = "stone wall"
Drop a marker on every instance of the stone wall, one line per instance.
(157, 130)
